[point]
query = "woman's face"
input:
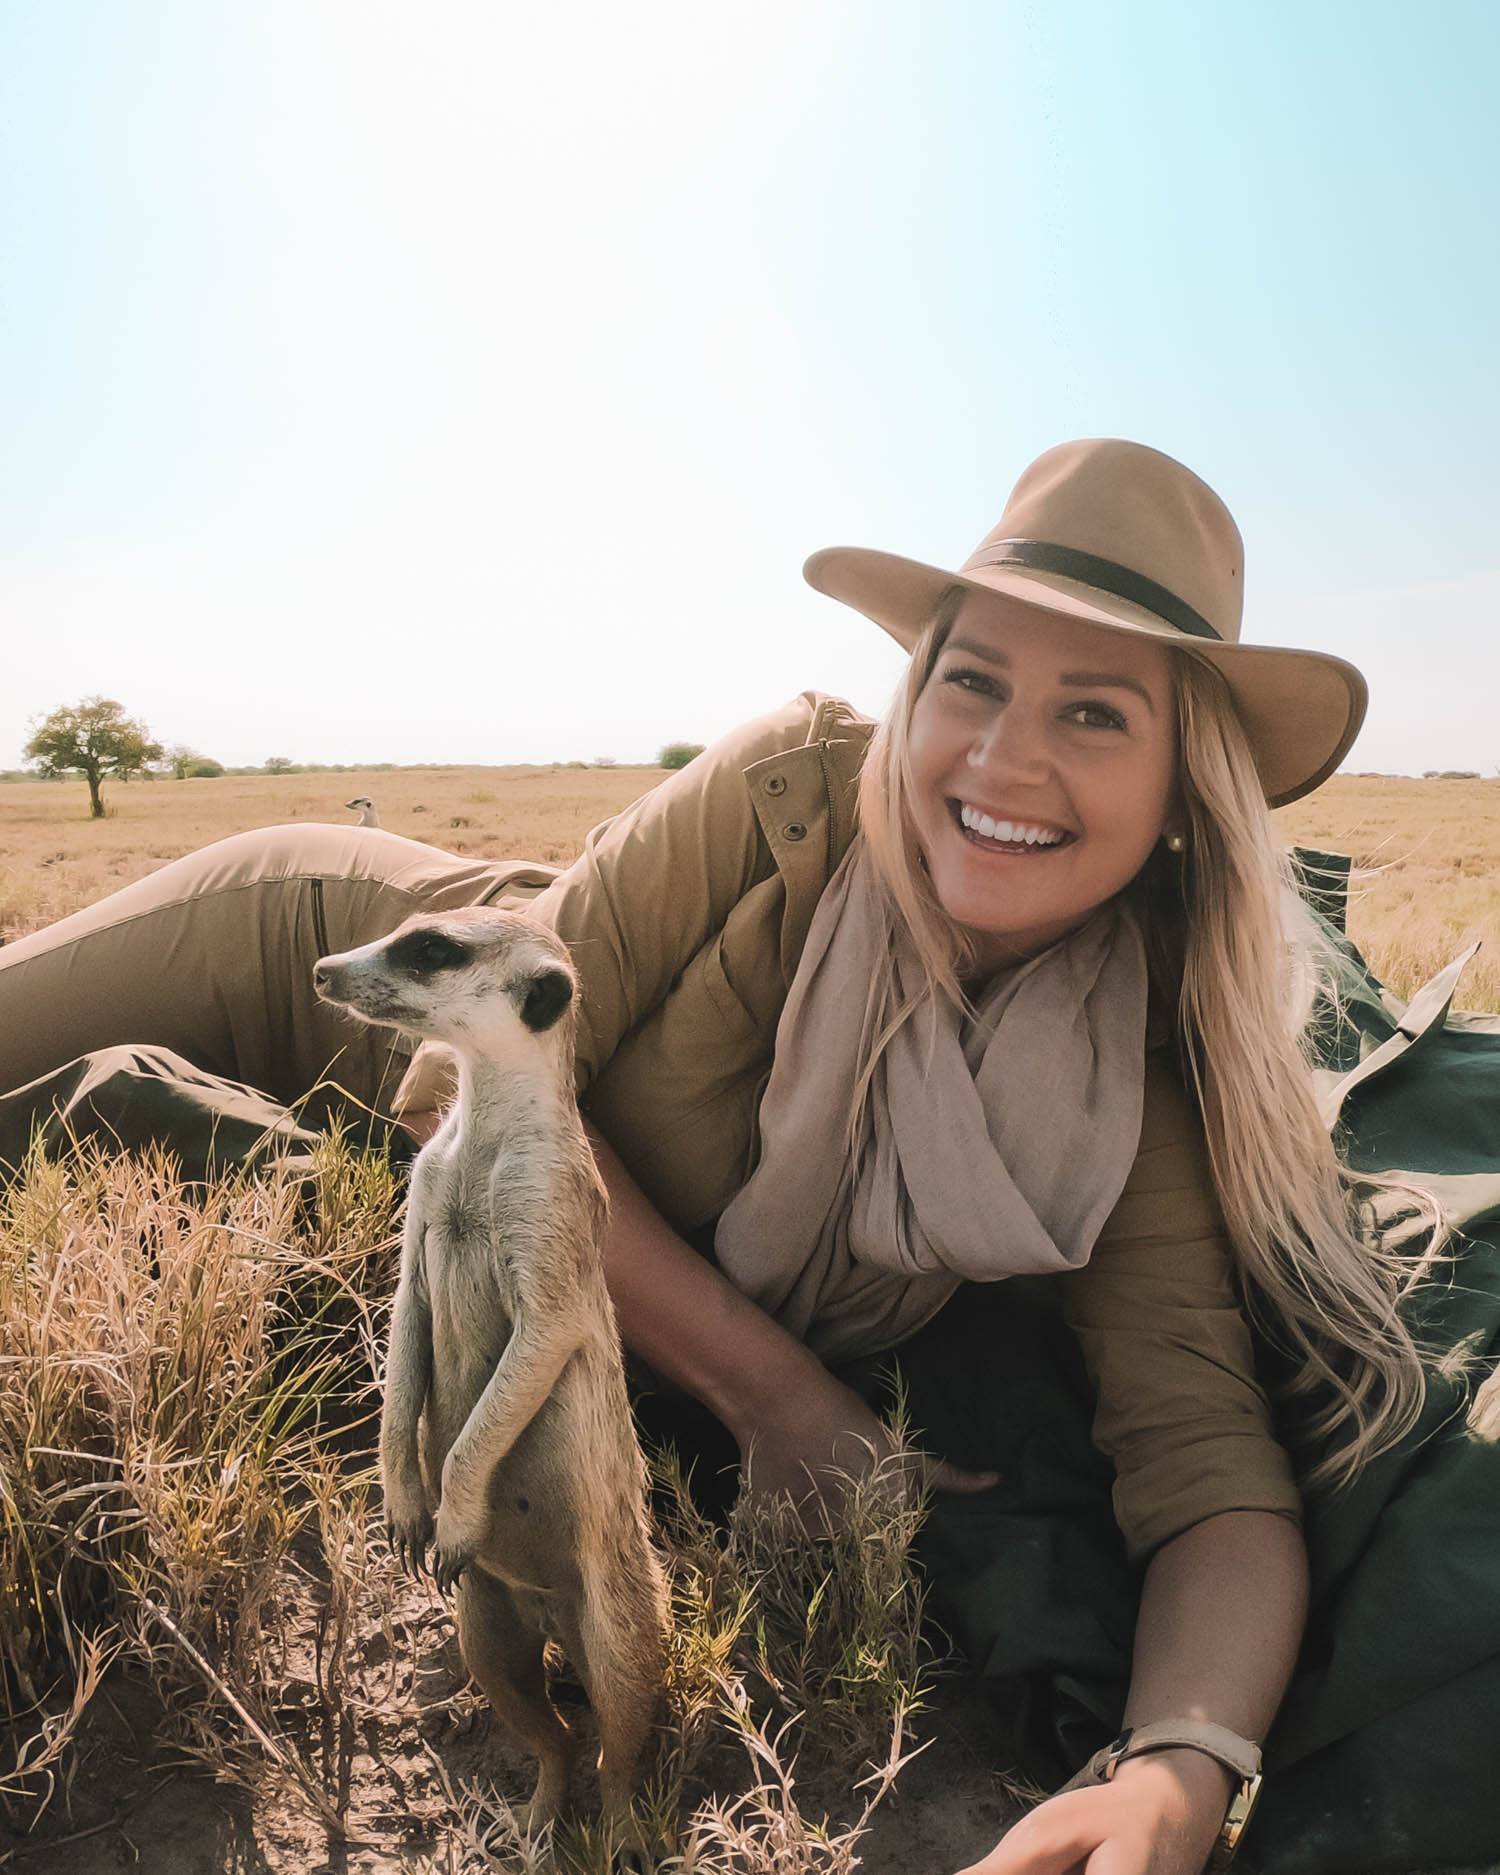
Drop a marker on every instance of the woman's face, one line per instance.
(1044, 756)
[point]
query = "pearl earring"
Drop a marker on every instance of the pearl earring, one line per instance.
(1176, 842)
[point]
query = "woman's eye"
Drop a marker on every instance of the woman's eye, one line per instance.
(978, 683)
(1097, 716)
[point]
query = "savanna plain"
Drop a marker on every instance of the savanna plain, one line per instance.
(208, 1662)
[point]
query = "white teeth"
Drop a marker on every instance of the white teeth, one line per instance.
(1010, 832)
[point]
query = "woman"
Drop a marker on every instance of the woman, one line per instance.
(1033, 974)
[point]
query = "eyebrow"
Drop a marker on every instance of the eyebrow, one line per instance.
(1115, 680)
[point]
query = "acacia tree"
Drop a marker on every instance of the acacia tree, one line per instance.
(93, 738)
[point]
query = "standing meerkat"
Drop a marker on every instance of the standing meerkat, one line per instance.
(506, 1438)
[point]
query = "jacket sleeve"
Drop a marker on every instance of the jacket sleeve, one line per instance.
(656, 882)
(1167, 1344)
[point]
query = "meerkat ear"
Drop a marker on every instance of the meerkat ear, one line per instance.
(547, 996)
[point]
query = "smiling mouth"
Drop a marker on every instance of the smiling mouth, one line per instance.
(1016, 842)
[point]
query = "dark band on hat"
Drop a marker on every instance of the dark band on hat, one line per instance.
(1045, 556)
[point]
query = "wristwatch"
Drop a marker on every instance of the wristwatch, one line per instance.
(1236, 1754)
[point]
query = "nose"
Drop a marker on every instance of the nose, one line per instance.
(322, 974)
(1012, 743)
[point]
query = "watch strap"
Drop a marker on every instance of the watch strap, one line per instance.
(1233, 1752)
(1237, 1755)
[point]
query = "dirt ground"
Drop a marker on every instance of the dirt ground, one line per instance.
(411, 1726)
(946, 1812)
(138, 1810)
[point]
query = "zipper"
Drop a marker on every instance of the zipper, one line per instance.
(320, 919)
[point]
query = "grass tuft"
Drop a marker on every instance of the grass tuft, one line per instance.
(181, 1368)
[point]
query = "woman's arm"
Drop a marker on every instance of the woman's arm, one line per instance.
(1221, 1617)
(797, 1426)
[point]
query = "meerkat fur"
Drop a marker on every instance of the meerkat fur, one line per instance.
(506, 1435)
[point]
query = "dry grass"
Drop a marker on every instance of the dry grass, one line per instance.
(53, 858)
(186, 1483)
(1428, 851)
(181, 1370)
(1427, 884)
(797, 1667)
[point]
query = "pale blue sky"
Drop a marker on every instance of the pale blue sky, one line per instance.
(468, 382)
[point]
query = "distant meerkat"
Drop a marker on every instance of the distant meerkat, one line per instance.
(367, 815)
(504, 1347)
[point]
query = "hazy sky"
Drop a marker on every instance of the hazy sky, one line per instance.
(468, 382)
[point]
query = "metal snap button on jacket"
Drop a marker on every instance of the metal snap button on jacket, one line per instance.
(795, 831)
(775, 784)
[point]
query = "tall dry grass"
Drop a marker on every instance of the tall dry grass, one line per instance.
(184, 1375)
(187, 1420)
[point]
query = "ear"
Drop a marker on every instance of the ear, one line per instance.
(547, 996)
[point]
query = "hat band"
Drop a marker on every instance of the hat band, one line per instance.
(1044, 556)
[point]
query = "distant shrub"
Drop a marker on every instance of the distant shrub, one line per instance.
(201, 768)
(602, 761)
(678, 754)
(1450, 774)
(279, 765)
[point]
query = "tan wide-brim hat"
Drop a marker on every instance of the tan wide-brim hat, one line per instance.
(1122, 536)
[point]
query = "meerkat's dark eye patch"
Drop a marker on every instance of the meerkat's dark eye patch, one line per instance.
(424, 953)
(545, 998)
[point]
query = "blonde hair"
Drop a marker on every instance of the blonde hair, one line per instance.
(1237, 954)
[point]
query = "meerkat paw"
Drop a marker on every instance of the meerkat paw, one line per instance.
(455, 1545)
(408, 1525)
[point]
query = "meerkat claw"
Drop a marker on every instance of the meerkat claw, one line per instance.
(447, 1566)
(408, 1543)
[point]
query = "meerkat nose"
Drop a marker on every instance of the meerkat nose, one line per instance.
(322, 975)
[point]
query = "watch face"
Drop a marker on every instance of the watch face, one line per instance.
(1240, 1810)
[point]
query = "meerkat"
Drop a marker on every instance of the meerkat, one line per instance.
(506, 1434)
(367, 815)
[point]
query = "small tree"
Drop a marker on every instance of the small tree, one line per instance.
(188, 764)
(93, 738)
(278, 764)
(678, 754)
(182, 761)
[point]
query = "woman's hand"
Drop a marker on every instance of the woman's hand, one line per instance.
(1158, 1815)
(809, 1439)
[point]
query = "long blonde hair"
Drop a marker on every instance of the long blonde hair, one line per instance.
(1236, 953)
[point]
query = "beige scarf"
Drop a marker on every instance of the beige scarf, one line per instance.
(993, 1146)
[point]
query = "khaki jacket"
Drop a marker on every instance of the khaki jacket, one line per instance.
(686, 915)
